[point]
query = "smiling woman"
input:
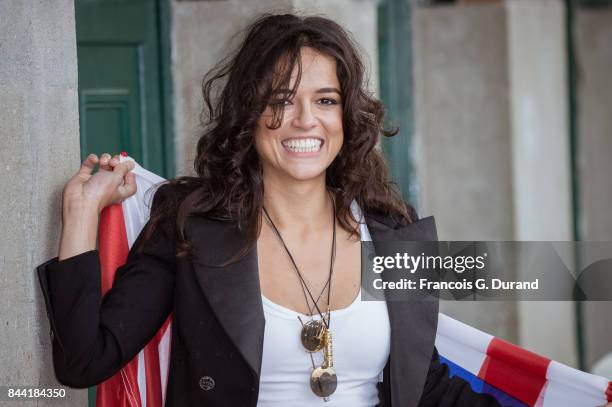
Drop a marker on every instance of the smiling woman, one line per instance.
(258, 256)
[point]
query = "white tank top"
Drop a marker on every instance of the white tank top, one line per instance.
(361, 343)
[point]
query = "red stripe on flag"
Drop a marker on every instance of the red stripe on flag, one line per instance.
(112, 392)
(153, 368)
(112, 244)
(516, 371)
(121, 390)
(151, 355)
(609, 391)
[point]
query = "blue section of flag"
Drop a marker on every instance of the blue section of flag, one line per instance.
(480, 386)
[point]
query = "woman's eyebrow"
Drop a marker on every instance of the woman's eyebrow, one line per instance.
(321, 90)
(328, 90)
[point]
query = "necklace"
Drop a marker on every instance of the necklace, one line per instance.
(315, 334)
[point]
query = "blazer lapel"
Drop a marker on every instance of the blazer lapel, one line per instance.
(413, 323)
(233, 291)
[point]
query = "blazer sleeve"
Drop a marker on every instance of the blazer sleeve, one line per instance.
(443, 391)
(93, 337)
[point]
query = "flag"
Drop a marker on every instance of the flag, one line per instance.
(142, 382)
(515, 376)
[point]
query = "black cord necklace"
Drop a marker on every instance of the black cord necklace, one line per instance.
(305, 288)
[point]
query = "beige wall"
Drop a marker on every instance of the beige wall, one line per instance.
(594, 56)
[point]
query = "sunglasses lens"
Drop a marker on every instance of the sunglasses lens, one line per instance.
(312, 335)
(323, 381)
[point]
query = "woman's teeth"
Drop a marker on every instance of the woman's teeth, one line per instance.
(308, 145)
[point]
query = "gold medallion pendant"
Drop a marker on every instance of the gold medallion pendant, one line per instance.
(312, 335)
(323, 380)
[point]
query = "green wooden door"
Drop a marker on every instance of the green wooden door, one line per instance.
(395, 70)
(120, 80)
(122, 69)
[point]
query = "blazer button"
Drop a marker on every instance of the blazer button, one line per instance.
(207, 383)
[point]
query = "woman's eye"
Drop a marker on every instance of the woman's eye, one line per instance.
(328, 101)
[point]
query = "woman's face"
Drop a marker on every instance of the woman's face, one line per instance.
(310, 135)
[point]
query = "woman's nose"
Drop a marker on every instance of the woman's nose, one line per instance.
(304, 117)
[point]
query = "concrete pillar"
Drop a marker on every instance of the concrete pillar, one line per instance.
(541, 158)
(490, 90)
(463, 137)
(40, 150)
(201, 34)
(594, 57)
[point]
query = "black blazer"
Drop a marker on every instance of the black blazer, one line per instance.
(218, 319)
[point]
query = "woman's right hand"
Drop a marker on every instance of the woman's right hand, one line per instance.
(110, 185)
(84, 197)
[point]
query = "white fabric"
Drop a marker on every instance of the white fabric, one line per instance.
(361, 344)
(465, 346)
(136, 208)
(567, 386)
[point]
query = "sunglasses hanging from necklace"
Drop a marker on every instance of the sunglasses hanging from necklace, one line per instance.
(315, 334)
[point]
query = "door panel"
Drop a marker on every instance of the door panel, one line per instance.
(120, 87)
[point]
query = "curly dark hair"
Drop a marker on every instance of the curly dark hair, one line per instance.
(229, 184)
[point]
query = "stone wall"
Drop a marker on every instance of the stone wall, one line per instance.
(39, 131)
